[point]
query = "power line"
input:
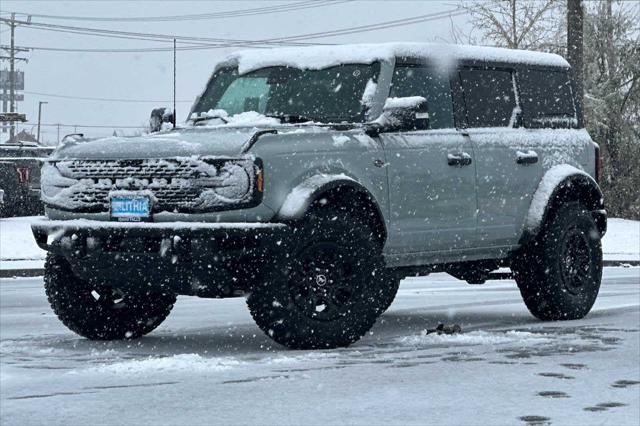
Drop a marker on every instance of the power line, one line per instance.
(53, 95)
(309, 4)
(93, 126)
(377, 26)
(208, 43)
(100, 32)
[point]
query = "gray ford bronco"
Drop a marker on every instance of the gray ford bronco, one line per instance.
(313, 180)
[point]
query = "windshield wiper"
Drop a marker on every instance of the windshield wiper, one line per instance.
(290, 118)
(209, 117)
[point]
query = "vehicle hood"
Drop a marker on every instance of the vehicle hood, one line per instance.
(178, 143)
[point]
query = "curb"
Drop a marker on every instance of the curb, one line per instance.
(38, 272)
(11, 273)
(626, 263)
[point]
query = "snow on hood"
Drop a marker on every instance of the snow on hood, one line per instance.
(210, 139)
(318, 57)
(184, 142)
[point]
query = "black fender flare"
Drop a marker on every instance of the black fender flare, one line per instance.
(559, 184)
(301, 197)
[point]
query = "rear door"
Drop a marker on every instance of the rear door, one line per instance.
(432, 199)
(507, 158)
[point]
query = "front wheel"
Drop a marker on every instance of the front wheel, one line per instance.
(101, 312)
(330, 290)
(559, 273)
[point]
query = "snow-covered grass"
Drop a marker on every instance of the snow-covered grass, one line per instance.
(16, 240)
(622, 241)
(18, 249)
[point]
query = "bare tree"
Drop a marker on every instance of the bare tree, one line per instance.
(612, 98)
(516, 24)
(611, 73)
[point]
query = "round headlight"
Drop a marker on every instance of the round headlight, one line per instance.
(234, 182)
(52, 182)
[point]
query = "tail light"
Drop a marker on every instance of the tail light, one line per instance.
(24, 174)
(598, 163)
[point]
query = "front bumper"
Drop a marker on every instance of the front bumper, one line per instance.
(203, 259)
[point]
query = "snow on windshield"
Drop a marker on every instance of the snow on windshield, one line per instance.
(221, 117)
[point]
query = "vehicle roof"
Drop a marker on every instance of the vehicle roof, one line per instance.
(318, 57)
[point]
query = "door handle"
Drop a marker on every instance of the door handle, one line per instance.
(379, 163)
(529, 157)
(459, 160)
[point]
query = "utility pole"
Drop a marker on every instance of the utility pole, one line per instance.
(12, 74)
(58, 133)
(5, 98)
(174, 84)
(40, 117)
(575, 46)
(12, 49)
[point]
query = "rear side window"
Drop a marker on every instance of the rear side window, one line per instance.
(547, 98)
(489, 97)
(434, 86)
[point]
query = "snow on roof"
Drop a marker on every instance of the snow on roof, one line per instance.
(318, 57)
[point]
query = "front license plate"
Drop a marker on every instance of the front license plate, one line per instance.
(130, 209)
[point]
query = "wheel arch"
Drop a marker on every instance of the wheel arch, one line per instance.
(332, 189)
(559, 185)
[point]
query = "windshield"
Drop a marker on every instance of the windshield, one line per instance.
(333, 94)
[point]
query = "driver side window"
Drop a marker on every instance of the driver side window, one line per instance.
(246, 94)
(434, 86)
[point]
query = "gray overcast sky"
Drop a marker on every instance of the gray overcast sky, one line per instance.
(149, 75)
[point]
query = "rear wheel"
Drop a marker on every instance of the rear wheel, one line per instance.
(559, 273)
(330, 290)
(101, 312)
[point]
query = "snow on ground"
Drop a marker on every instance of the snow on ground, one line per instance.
(16, 239)
(622, 241)
(18, 249)
(209, 364)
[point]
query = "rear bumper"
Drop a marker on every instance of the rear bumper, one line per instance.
(204, 259)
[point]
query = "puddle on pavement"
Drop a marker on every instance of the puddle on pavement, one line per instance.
(611, 404)
(625, 383)
(535, 420)
(575, 366)
(556, 376)
(553, 394)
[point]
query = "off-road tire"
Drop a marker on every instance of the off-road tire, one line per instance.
(284, 302)
(389, 290)
(74, 302)
(559, 273)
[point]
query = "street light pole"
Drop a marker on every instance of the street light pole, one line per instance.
(39, 117)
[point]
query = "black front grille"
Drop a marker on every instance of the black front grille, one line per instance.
(175, 184)
(171, 168)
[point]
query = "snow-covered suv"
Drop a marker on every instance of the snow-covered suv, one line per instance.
(312, 180)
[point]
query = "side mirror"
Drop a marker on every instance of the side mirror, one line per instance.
(408, 113)
(159, 116)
